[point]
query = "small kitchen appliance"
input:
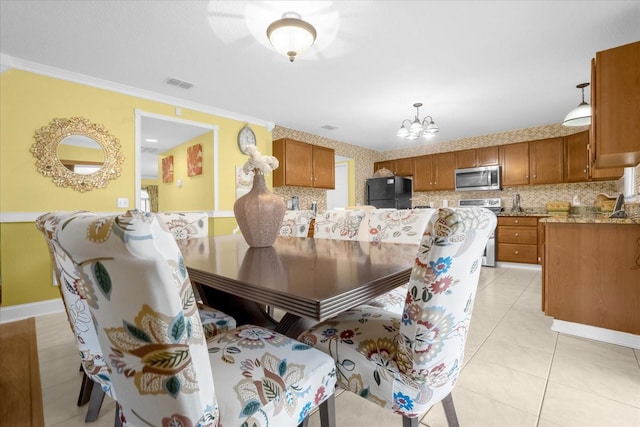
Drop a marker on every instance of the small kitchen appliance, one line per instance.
(494, 205)
(478, 179)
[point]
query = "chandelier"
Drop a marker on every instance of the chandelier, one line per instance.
(581, 115)
(416, 128)
(290, 35)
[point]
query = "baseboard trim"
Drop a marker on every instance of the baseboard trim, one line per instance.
(32, 309)
(535, 267)
(599, 334)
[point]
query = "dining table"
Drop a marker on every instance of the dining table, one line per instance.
(307, 279)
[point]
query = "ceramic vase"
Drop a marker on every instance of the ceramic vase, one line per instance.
(259, 214)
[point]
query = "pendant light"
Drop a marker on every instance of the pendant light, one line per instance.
(581, 115)
(414, 129)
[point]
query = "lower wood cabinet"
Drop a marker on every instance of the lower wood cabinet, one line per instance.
(591, 274)
(517, 239)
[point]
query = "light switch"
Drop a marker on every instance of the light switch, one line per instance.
(123, 202)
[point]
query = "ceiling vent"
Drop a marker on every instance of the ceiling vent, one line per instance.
(178, 83)
(150, 150)
(329, 127)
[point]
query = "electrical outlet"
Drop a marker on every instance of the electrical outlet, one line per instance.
(123, 202)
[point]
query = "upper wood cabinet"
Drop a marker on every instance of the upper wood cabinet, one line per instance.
(615, 104)
(576, 161)
(303, 165)
(477, 157)
(434, 172)
(546, 161)
(514, 159)
(400, 167)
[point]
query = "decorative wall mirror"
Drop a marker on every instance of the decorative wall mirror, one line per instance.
(77, 153)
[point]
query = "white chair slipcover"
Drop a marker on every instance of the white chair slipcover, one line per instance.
(407, 363)
(138, 291)
(338, 224)
(296, 223)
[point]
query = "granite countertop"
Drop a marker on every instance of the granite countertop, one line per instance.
(583, 216)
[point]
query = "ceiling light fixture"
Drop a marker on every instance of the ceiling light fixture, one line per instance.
(581, 115)
(290, 35)
(416, 128)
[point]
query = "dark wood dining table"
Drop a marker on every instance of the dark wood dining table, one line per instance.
(309, 279)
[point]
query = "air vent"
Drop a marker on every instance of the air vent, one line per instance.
(150, 150)
(178, 83)
(329, 127)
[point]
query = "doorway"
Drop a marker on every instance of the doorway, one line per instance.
(339, 198)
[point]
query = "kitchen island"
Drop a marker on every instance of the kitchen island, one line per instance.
(591, 275)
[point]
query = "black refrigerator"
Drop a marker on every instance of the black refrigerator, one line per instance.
(389, 192)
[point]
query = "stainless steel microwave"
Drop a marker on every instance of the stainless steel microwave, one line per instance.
(478, 179)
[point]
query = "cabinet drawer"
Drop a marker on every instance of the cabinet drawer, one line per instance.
(510, 252)
(527, 221)
(523, 235)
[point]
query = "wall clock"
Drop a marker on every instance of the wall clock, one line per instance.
(246, 137)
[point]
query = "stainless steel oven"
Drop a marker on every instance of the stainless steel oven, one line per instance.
(495, 205)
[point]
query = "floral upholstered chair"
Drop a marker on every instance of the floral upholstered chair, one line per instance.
(338, 224)
(397, 226)
(407, 363)
(186, 225)
(296, 223)
(138, 291)
(94, 367)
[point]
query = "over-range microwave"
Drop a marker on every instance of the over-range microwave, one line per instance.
(478, 179)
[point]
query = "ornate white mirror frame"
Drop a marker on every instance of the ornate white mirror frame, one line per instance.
(45, 149)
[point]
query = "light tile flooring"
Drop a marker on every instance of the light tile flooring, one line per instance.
(516, 372)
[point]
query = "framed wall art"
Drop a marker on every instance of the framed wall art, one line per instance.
(194, 160)
(167, 169)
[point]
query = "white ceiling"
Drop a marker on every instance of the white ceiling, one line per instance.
(478, 67)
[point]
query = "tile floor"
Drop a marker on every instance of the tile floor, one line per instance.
(516, 372)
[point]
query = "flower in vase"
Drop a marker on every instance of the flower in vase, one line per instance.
(258, 163)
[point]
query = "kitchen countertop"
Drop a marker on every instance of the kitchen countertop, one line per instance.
(585, 217)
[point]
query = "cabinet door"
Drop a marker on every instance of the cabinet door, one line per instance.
(387, 164)
(514, 159)
(403, 167)
(576, 157)
(546, 161)
(422, 172)
(488, 156)
(443, 168)
(324, 169)
(296, 167)
(616, 102)
(466, 159)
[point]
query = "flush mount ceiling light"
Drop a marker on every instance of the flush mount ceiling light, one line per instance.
(290, 35)
(581, 115)
(416, 128)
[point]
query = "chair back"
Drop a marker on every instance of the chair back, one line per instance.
(76, 307)
(398, 225)
(442, 289)
(296, 223)
(338, 224)
(186, 225)
(136, 285)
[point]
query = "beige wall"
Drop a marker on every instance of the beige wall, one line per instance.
(531, 196)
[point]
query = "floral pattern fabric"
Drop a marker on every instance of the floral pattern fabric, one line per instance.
(296, 223)
(134, 281)
(407, 362)
(186, 225)
(338, 224)
(397, 225)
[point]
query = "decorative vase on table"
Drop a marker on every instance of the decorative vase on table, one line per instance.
(259, 214)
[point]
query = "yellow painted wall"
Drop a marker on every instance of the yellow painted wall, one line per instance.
(29, 101)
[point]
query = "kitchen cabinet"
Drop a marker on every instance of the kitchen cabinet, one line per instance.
(514, 159)
(615, 104)
(591, 274)
(577, 168)
(303, 165)
(387, 164)
(517, 239)
(399, 167)
(546, 161)
(434, 172)
(477, 157)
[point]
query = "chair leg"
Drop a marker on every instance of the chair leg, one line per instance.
(410, 422)
(328, 412)
(117, 422)
(450, 411)
(97, 396)
(85, 389)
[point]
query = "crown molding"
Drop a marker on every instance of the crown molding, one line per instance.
(7, 62)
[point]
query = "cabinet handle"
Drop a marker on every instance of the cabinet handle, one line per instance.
(516, 234)
(535, 176)
(516, 252)
(526, 176)
(516, 221)
(584, 171)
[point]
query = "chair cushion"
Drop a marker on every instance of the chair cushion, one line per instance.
(392, 301)
(338, 224)
(270, 379)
